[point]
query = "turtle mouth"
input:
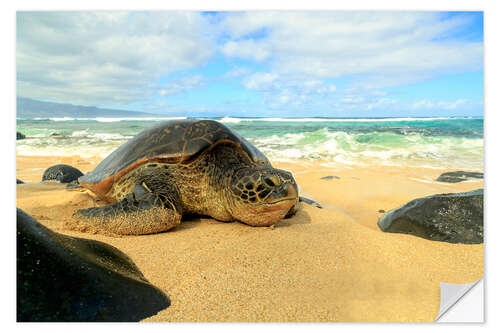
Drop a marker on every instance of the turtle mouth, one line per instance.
(270, 203)
(285, 194)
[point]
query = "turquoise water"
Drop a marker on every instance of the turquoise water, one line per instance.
(427, 142)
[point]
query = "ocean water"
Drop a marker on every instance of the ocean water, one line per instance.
(424, 142)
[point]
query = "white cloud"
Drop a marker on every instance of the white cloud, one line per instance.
(381, 103)
(423, 104)
(444, 105)
(284, 98)
(334, 44)
(182, 84)
(452, 105)
(99, 57)
(260, 81)
(237, 72)
(246, 49)
(352, 99)
(278, 89)
(331, 88)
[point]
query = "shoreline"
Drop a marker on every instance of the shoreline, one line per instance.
(331, 264)
(300, 165)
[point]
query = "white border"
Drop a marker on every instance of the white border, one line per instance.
(492, 19)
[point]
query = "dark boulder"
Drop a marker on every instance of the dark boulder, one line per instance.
(452, 217)
(19, 181)
(62, 173)
(62, 278)
(20, 136)
(459, 176)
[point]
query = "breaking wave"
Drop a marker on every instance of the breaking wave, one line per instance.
(424, 142)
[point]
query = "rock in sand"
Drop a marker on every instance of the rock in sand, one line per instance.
(330, 177)
(63, 278)
(452, 217)
(62, 173)
(459, 176)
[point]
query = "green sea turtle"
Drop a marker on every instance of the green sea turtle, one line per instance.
(186, 166)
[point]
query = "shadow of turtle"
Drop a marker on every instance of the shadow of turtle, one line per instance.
(188, 221)
(300, 217)
(192, 221)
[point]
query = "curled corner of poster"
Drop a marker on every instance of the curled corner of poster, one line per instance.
(462, 303)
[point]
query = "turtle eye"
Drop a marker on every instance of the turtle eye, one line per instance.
(272, 180)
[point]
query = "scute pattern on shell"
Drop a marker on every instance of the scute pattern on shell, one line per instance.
(174, 141)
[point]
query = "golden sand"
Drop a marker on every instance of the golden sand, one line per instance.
(331, 264)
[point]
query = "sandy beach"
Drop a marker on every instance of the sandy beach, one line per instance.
(330, 264)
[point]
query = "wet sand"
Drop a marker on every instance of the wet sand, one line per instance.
(331, 264)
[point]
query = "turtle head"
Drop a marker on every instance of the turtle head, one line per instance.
(262, 196)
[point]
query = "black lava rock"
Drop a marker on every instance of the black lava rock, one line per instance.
(459, 176)
(62, 278)
(62, 173)
(452, 218)
(330, 177)
(20, 136)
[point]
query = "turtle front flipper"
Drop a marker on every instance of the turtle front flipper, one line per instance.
(141, 212)
(310, 202)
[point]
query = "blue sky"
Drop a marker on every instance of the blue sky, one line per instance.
(256, 63)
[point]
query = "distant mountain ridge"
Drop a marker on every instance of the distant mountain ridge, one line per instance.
(30, 108)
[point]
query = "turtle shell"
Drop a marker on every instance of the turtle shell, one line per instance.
(173, 142)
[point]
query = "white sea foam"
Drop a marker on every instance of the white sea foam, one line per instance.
(238, 120)
(382, 148)
(83, 133)
(229, 120)
(111, 136)
(103, 136)
(349, 148)
(59, 119)
(420, 180)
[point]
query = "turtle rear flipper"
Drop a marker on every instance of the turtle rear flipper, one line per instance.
(141, 212)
